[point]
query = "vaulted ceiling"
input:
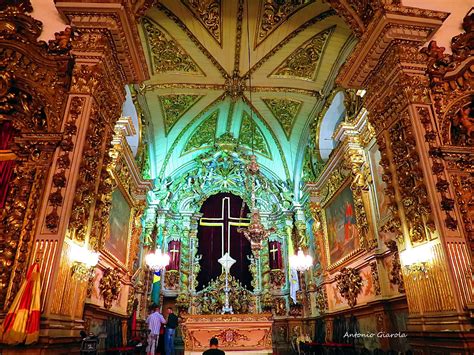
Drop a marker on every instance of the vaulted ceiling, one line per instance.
(200, 55)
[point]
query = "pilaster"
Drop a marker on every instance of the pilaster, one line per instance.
(405, 110)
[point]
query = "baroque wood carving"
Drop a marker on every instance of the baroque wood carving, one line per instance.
(110, 286)
(349, 285)
(33, 82)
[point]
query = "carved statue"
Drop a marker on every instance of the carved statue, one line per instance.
(61, 43)
(462, 127)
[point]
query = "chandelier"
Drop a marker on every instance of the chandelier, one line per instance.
(157, 260)
(255, 232)
(300, 261)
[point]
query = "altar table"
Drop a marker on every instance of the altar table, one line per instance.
(236, 332)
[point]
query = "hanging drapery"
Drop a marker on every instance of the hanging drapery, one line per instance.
(274, 251)
(22, 322)
(6, 164)
(220, 217)
(174, 251)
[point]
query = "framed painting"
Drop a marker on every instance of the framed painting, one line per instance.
(341, 227)
(381, 199)
(117, 243)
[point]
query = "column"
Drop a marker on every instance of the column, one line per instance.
(413, 102)
(75, 206)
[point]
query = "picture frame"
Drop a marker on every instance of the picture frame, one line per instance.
(342, 238)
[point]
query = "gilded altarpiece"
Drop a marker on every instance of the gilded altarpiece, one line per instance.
(354, 267)
(220, 170)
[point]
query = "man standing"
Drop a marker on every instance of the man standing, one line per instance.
(213, 350)
(154, 321)
(172, 323)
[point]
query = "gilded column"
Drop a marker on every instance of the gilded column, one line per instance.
(405, 112)
(34, 79)
(74, 210)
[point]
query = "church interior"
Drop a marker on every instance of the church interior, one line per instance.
(289, 176)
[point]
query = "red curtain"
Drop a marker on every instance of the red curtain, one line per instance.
(210, 241)
(174, 251)
(6, 166)
(274, 251)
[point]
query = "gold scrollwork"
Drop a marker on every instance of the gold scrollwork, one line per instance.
(349, 285)
(110, 285)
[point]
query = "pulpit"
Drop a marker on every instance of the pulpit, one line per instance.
(236, 332)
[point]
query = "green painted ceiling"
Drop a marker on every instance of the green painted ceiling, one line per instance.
(199, 87)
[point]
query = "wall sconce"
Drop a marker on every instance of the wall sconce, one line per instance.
(83, 262)
(416, 260)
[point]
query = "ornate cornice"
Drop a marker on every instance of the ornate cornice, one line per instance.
(116, 17)
(391, 24)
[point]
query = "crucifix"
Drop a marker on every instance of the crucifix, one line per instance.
(273, 251)
(174, 251)
(225, 221)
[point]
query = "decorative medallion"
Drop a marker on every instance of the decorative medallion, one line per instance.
(304, 61)
(167, 55)
(204, 134)
(251, 136)
(208, 12)
(273, 14)
(174, 106)
(285, 111)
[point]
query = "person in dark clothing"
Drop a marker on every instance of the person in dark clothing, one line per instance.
(213, 348)
(170, 332)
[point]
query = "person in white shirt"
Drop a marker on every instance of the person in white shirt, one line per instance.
(154, 322)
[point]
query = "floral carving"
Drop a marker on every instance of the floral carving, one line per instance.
(204, 134)
(32, 93)
(304, 61)
(277, 278)
(251, 136)
(349, 285)
(208, 12)
(375, 277)
(465, 199)
(273, 14)
(167, 55)
(174, 106)
(410, 179)
(396, 277)
(64, 162)
(172, 279)
(285, 111)
(110, 286)
(365, 9)
(210, 300)
(321, 299)
(279, 306)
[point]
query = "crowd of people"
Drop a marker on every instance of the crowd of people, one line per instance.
(155, 323)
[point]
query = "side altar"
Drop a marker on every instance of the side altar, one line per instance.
(235, 332)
